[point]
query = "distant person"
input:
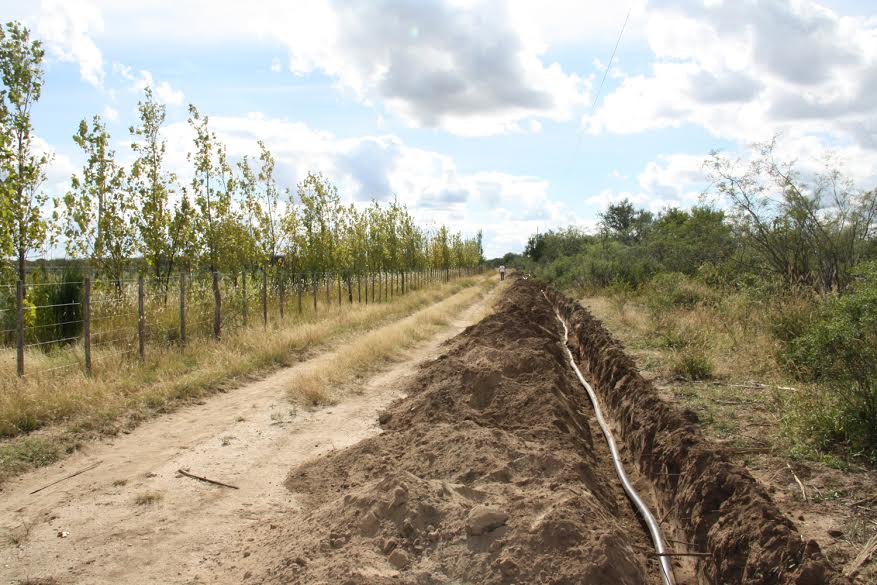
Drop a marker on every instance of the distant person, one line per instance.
(502, 271)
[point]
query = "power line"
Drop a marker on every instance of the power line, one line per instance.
(612, 58)
(600, 87)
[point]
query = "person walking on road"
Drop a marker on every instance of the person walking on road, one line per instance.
(502, 271)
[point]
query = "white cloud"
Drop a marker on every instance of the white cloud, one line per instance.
(143, 78)
(383, 167)
(66, 27)
(275, 65)
(748, 70)
(111, 113)
(473, 68)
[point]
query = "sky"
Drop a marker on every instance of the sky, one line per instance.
(475, 114)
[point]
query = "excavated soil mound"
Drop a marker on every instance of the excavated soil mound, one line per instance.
(492, 471)
(486, 473)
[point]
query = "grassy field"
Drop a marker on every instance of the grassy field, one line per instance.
(44, 416)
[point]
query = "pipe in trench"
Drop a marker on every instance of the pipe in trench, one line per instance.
(652, 524)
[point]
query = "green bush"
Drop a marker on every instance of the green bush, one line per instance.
(838, 351)
(670, 290)
(693, 364)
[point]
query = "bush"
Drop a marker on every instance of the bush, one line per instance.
(838, 351)
(670, 290)
(693, 364)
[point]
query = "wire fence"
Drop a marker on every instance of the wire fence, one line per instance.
(56, 324)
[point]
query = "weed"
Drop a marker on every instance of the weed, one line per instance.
(148, 498)
(692, 364)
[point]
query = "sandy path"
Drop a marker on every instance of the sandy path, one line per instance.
(90, 529)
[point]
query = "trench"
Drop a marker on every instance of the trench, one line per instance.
(491, 470)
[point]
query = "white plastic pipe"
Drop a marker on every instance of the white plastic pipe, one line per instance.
(654, 528)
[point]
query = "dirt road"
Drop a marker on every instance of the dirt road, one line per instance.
(134, 519)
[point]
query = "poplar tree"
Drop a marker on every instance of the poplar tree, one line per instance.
(161, 227)
(24, 222)
(99, 212)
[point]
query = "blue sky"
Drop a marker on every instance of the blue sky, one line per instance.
(476, 114)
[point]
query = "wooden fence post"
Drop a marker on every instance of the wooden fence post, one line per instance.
(141, 319)
(339, 289)
(86, 323)
(280, 290)
(264, 298)
(19, 328)
(244, 297)
(182, 309)
(299, 287)
(328, 290)
(217, 307)
(314, 285)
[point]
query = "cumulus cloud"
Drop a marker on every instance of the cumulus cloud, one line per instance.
(140, 80)
(67, 27)
(436, 64)
(507, 206)
(746, 71)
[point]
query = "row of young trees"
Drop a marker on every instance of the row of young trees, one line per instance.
(230, 217)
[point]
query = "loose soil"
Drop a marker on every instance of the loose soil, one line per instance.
(134, 519)
(487, 468)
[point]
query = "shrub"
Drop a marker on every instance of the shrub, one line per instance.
(669, 290)
(838, 351)
(693, 364)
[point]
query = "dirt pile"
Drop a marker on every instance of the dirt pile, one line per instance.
(719, 505)
(493, 471)
(488, 472)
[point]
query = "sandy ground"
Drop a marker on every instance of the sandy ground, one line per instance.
(135, 519)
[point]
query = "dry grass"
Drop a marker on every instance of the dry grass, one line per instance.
(321, 377)
(148, 498)
(67, 406)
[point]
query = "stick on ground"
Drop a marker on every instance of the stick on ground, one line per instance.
(89, 468)
(800, 485)
(204, 479)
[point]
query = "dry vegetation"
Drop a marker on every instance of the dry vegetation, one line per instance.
(46, 415)
(370, 351)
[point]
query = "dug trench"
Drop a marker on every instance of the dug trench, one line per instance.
(492, 470)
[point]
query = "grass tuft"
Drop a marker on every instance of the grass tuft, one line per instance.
(148, 498)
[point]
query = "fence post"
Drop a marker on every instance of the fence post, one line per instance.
(339, 289)
(217, 307)
(86, 323)
(141, 318)
(314, 286)
(280, 290)
(328, 278)
(349, 289)
(299, 287)
(264, 298)
(244, 296)
(182, 308)
(19, 328)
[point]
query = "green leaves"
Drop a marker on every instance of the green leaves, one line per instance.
(100, 214)
(23, 227)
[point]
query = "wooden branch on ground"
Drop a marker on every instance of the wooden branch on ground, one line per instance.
(800, 485)
(89, 468)
(866, 553)
(206, 480)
